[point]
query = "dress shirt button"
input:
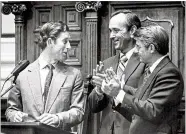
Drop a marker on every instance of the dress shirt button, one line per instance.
(114, 111)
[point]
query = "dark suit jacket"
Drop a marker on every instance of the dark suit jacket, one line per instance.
(110, 117)
(155, 104)
(65, 94)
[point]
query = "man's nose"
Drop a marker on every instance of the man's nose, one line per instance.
(136, 50)
(112, 35)
(68, 46)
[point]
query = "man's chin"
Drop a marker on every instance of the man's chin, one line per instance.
(117, 47)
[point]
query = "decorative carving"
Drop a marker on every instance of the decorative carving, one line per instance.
(17, 9)
(164, 20)
(183, 3)
(6, 9)
(90, 5)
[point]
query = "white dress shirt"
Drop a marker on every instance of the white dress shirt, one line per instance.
(44, 70)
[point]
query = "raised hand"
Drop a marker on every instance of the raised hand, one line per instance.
(111, 85)
(98, 75)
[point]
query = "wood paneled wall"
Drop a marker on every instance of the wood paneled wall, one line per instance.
(90, 35)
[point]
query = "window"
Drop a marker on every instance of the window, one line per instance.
(7, 48)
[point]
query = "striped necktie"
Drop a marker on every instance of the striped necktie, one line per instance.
(47, 82)
(121, 66)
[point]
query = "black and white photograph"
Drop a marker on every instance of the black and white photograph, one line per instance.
(93, 67)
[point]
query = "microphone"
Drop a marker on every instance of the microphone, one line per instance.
(19, 67)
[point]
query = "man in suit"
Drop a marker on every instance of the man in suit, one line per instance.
(48, 90)
(155, 102)
(122, 25)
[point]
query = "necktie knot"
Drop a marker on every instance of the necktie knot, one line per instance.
(121, 66)
(123, 59)
(147, 71)
(50, 66)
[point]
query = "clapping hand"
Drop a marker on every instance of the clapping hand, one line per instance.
(111, 85)
(98, 76)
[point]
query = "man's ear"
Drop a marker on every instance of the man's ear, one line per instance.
(152, 48)
(49, 42)
(132, 31)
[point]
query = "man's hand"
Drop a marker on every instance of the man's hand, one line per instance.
(112, 85)
(19, 116)
(49, 119)
(98, 75)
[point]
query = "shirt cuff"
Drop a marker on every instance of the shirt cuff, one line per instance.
(58, 121)
(120, 96)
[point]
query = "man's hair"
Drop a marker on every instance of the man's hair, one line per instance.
(131, 18)
(156, 35)
(51, 30)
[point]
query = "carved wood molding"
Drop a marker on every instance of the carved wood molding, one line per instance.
(88, 6)
(91, 40)
(15, 8)
(71, 17)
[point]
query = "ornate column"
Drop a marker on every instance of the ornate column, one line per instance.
(91, 122)
(91, 19)
(18, 9)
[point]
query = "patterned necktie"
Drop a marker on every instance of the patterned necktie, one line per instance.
(121, 66)
(47, 82)
(146, 76)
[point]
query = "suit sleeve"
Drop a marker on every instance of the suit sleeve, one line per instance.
(76, 112)
(14, 102)
(97, 103)
(130, 90)
(165, 93)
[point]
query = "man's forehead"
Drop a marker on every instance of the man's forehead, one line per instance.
(118, 21)
(65, 35)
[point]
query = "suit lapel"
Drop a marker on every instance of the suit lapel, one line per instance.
(113, 62)
(164, 62)
(35, 85)
(131, 66)
(55, 87)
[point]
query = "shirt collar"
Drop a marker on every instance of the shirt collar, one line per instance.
(43, 63)
(128, 54)
(154, 65)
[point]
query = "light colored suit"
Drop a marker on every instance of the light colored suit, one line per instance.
(155, 104)
(65, 96)
(112, 121)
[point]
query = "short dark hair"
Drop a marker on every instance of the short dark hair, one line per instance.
(156, 35)
(51, 30)
(132, 18)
